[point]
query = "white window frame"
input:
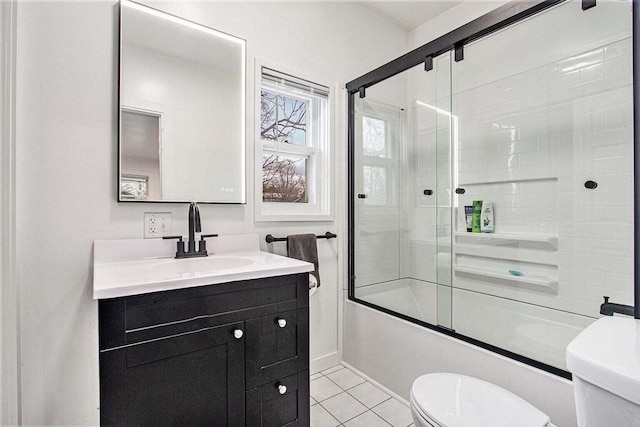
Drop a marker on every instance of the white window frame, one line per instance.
(319, 151)
(393, 131)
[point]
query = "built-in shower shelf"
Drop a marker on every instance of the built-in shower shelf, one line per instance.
(538, 280)
(506, 238)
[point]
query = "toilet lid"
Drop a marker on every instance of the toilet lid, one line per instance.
(454, 400)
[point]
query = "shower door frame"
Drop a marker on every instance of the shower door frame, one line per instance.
(495, 20)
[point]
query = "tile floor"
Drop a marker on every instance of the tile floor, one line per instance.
(339, 397)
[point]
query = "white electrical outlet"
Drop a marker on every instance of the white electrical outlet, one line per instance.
(157, 224)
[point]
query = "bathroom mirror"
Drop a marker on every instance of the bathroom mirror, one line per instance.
(182, 120)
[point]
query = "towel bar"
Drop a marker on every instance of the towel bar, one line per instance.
(270, 239)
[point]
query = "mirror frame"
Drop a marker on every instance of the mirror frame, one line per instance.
(243, 105)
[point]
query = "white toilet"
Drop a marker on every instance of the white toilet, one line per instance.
(452, 400)
(605, 362)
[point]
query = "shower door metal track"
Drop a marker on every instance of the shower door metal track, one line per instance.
(498, 19)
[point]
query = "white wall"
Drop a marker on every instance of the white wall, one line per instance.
(9, 380)
(448, 21)
(66, 169)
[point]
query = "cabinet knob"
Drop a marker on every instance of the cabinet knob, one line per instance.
(282, 323)
(238, 333)
(282, 389)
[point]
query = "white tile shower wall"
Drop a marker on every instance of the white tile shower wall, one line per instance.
(528, 143)
(420, 245)
(564, 31)
(377, 246)
(523, 328)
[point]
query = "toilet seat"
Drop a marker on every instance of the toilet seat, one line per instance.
(454, 400)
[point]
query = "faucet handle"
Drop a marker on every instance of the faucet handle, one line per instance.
(179, 244)
(202, 247)
(196, 217)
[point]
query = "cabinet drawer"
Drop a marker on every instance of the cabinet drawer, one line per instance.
(276, 346)
(148, 310)
(267, 406)
(139, 318)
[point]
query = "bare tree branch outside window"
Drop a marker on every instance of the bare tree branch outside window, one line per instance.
(283, 179)
(374, 137)
(283, 119)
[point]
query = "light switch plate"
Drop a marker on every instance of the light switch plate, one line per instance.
(157, 224)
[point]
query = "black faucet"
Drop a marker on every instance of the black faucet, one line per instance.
(194, 227)
(608, 308)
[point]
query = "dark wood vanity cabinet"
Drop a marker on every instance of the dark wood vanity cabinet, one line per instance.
(231, 354)
(192, 379)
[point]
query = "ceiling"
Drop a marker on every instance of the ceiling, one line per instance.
(409, 14)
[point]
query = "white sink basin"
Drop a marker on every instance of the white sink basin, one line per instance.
(199, 265)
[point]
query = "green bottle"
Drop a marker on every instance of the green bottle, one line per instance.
(476, 218)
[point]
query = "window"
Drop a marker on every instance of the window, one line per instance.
(381, 130)
(292, 152)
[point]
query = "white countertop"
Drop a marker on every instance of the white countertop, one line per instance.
(139, 266)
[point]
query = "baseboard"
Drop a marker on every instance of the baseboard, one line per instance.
(377, 384)
(324, 362)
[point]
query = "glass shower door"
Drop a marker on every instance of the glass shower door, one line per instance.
(534, 131)
(535, 121)
(379, 222)
(402, 205)
(430, 164)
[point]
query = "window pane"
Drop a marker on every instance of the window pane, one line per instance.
(375, 185)
(284, 179)
(283, 118)
(374, 137)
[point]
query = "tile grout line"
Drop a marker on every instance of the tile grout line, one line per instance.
(356, 399)
(318, 401)
(343, 391)
(375, 406)
(341, 424)
(368, 410)
(329, 412)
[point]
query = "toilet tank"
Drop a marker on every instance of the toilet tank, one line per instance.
(605, 362)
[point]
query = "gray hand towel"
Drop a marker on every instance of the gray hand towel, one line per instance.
(304, 248)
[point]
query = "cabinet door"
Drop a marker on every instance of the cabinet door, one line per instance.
(190, 379)
(277, 346)
(270, 405)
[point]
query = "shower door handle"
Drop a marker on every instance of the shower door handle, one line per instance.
(362, 196)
